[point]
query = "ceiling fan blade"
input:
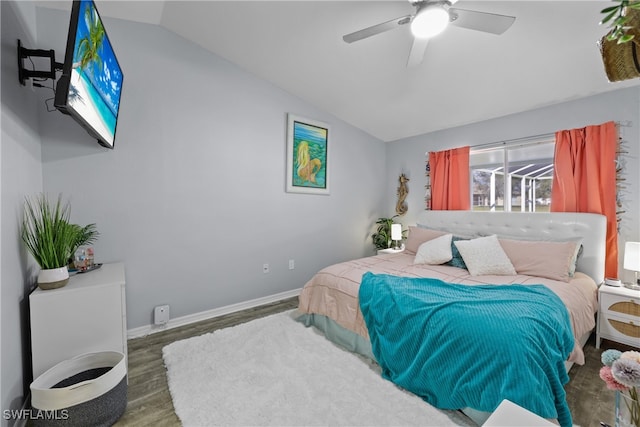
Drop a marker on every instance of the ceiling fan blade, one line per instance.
(417, 51)
(376, 29)
(481, 21)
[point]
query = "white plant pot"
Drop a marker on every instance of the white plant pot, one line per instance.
(53, 278)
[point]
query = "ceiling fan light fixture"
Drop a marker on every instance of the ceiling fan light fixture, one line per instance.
(430, 21)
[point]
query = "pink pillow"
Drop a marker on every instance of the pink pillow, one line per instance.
(552, 260)
(419, 235)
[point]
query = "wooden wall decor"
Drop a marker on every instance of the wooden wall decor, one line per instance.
(427, 186)
(621, 187)
(403, 191)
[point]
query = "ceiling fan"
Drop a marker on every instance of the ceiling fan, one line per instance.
(430, 19)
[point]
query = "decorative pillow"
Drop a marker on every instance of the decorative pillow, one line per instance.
(465, 234)
(553, 260)
(418, 236)
(434, 251)
(576, 255)
(456, 258)
(484, 255)
(577, 240)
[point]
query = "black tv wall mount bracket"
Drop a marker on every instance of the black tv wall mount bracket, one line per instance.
(24, 73)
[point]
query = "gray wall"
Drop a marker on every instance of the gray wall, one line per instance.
(192, 197)
(20, 174)
(408, 155)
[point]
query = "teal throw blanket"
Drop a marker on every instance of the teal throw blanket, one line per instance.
(460, 346)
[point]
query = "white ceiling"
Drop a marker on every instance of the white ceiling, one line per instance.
(548, 56)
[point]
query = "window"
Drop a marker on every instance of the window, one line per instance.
(523, 172)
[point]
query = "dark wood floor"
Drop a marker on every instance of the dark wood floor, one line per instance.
(149, 401)
(590, 401)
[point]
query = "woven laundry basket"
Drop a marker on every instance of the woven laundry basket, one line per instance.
(87, 390)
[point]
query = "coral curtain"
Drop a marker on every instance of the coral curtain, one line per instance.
(584, 179)
(450, 179)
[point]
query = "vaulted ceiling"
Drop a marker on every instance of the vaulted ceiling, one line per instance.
(549, 55)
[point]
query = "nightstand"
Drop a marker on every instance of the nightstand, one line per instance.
(390, 250)
(618, 315)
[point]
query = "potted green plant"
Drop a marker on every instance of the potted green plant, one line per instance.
(51, 239)
(382, 237)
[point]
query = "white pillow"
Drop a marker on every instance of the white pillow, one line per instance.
(484, 255)
(435, 251)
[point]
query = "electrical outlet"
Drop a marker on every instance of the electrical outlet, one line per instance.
(265, 268)
(161, 315)
(292, 264)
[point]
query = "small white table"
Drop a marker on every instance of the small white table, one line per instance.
(508, 414)
(391, 250)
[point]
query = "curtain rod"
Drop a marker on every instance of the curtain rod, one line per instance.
(543, 137)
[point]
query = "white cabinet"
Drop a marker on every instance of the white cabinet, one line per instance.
(86, 315)
(619, 315)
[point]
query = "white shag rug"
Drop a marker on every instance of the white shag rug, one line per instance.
(275, 371)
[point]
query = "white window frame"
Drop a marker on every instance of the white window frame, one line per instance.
(545, 172)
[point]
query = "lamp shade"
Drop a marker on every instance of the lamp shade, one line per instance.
(430, 21)
(396, 232)
(632, 256)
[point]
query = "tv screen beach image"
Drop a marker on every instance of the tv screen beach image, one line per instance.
(96, 77)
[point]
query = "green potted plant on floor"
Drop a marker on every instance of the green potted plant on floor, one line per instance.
(51, 239)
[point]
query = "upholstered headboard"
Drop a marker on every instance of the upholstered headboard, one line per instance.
(546, 226)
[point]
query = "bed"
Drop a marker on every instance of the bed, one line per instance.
(537, 246)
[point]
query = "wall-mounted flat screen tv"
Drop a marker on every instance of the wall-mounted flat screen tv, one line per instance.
(91, 83)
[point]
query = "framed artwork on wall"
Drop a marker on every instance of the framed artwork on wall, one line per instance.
(307, 156)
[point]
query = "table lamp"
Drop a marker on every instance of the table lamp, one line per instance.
(632, 262)
(396, 235)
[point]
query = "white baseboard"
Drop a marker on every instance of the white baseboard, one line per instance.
(209, 314)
